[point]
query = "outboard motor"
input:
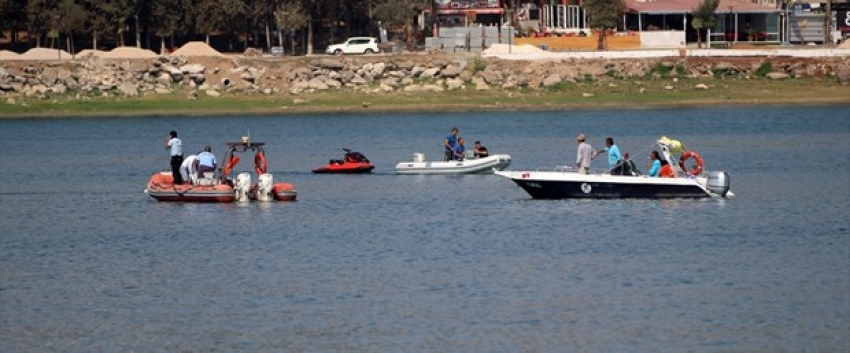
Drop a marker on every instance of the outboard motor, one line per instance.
(265, 188)
(718, 183)
(242, 187)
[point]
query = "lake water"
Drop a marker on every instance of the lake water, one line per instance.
(389, 263)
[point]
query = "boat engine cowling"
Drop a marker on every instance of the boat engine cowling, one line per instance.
(242, 186)
(718, 183)
(265, 187)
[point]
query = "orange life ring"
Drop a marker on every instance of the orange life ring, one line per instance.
(260, 163)
(689, 154)
(230, 164)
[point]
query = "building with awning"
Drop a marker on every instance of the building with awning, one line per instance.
(465, 12)
(737, 20)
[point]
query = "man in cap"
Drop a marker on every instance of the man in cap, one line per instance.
(584, 155)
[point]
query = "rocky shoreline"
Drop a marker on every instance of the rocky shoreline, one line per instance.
(380, 74)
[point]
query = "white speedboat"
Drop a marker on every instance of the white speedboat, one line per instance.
(418, 165)
(562, 183)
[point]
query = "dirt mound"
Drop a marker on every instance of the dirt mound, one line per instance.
(129, 53)
(196, 49)
(90, 53)
(46, 54)
(9, 55)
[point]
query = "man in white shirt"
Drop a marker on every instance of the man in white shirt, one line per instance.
(584, 155)
(175, 147)
(188, 167)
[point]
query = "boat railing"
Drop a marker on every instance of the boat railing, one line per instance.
(560, 168)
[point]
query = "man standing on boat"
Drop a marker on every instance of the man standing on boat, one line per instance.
(584, 155)
(175, 146)
(614, 156)
(450, 144)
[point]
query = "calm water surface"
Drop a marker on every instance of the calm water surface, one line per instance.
(387, 263)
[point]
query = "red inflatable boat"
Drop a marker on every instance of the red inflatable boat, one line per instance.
(226, 187)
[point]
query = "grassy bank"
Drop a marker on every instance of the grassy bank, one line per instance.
(631, 93)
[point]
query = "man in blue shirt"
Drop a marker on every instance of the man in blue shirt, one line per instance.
(206, 161)
(450, 144)
(614, 157)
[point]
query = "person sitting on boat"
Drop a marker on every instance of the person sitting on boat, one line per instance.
(206, 161)
(629, 167)
(450, 144)
(614, 156)
(188, 167)
(480, 151)
(666, 170)
(355, 157)
(460, 150)
(655, 165)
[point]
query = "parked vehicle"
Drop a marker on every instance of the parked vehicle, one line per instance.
(355, 45)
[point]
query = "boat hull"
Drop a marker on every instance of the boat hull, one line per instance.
(161, 187)
(565, 185)
(284, 192)
(470, 166)
(345, 168)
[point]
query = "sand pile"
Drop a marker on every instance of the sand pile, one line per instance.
(45, 54)
(845, 45)
(128, 53)
(90, 53)
(514, 49)
(9, 55)
(196, 49)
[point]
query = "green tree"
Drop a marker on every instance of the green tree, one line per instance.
(101, 18)
(399, 14)
(168, 18)
(39, 14)
(290, 17)
(126, 10)
(69, 18)
(5, 15)
(704, 17)
(603, 15)
(260, 13)
(216, 16)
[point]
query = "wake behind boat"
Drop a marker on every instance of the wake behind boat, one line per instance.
(207, 188)
(564, 183)
(418, 165)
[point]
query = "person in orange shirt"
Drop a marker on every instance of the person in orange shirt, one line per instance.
(666, 170)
